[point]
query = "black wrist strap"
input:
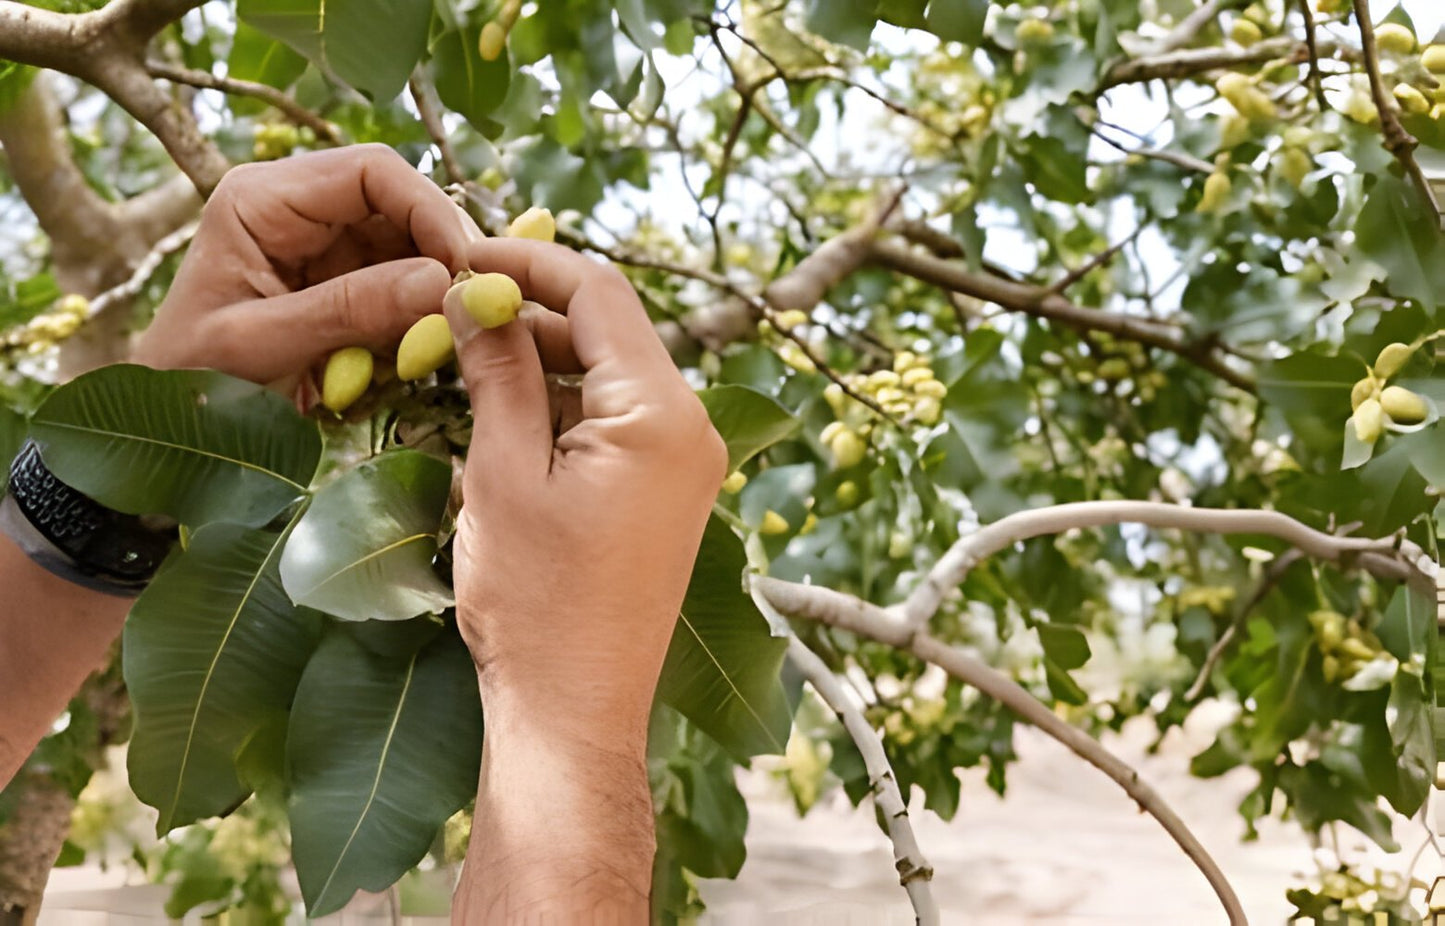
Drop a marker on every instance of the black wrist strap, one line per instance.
(75, 537)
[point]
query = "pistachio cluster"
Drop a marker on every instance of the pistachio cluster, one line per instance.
(910, 392)
(492, 299)
(1377, 405)
(49, 328)
(1346, 645)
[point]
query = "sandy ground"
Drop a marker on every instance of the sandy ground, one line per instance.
(1065, 847)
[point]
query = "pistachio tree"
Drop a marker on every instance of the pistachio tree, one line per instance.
(1041, 335)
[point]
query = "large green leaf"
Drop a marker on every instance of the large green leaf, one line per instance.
(466, 82)
(382, 750)
(212, 650)
(957, 20)
(748, 420)
(1401, 232)
(364, 548)
(257, 57)
(371, 44)
(722, 668)
(196, 445)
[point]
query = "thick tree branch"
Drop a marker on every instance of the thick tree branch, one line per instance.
(267, 94)
(106, 48)
(914, 871)
(803, 287)
(1398, 141)
(1040, 302)
(950, 571)
(852, 614)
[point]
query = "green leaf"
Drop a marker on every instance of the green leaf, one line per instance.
(847, 22)
(381, 752)
(957, 20)
(370, 44)
(211, 649)
(257, 57)
(196, 445)
(364, 548)
(1398, 230)
(1066, 646)
(722, 668)
(748, 420)
(466, 82)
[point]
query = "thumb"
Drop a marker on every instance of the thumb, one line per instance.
(371, 307)
(512, 430)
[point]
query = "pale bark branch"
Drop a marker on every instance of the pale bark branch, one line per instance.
(126, 291)
(857, 616)
(950, 571)
(803, 287)
(267, 94)
(914, 871)
(1191, 61)
(1398, 141)
(1040, 302)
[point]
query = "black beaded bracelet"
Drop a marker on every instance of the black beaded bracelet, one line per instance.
(73, 536)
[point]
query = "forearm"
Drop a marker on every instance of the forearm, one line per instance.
(563, 830)
(52, 635)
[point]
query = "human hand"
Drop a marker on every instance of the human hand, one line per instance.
(296, 258)
(573, 551)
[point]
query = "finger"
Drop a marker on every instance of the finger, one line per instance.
(512, 430)
(371, 307)
(607, 321)
(553, 336)
(294, 208)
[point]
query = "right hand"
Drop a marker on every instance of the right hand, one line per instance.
(574, 550)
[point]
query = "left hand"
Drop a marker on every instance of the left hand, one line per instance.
(297, 258)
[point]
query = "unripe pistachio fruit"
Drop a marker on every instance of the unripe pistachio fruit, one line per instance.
(1216, 192)
(734, 483)
(493, 39)
(1245, 97)
(1369, 421)
(1367, 388)
(348, 373)
(916, 375)
(931, 388)
(848, 449)
(1394, 38)
(492, 299)
(1034, 31)
(1403, 406)
(1294, 165)
(1434, 59)
(1411, 101)
(927, 410)
(1245, 33)
(425, 348)
(773, 523)
(846, 493)
(1392, 359)
(792, 318)
(536, 223)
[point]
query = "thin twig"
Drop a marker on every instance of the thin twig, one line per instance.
(1311, 43)
(1093, 263)
(1272, 575)
(281, 100)
(421, 94)
(1177, 158)
(950, 571)
(144, 270)
(860, 617)
(914, 871)
(1398, 141)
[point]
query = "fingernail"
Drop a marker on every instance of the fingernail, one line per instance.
(464, 327)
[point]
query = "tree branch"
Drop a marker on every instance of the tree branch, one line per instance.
(267, 94)
(1042, 303)
(422, 93)
(914, 871)
(1190, 61)
(857, 616)
(1398, 141)
(950, 571)
(124, 292)
(106, 48)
